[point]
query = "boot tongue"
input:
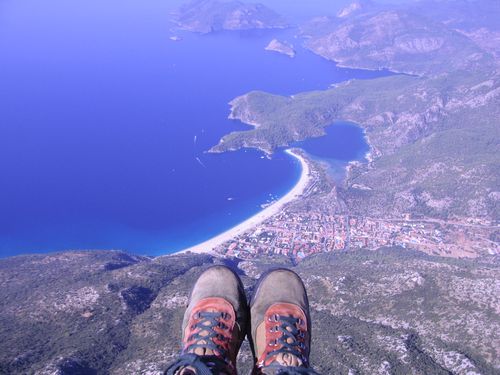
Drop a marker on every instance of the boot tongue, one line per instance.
(281, 360)
(186, 371)
(285, 358)
(205, 351)
(288, 360)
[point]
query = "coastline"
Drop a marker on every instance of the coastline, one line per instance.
(208, 246)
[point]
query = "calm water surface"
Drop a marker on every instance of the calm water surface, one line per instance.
(344, 142)
(105, 123)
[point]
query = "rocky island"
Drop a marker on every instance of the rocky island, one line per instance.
(281, 47)
(205, 16)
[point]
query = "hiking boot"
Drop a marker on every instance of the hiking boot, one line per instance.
(281, 324)
(214, 324)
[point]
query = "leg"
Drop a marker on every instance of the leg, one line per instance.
(214, 325)
(281, 325)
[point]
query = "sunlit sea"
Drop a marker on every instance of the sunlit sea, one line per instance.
(105, 123)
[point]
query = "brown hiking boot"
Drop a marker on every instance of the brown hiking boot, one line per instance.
(281, 324)
(215, 322)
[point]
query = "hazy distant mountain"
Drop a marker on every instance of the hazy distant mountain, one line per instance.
(392, 311)
(461, 14)
(397, 40)
(355, 7)
(478, 19)
(206, 16)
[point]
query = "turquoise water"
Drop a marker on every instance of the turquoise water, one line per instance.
(343, 142)
(105, 123)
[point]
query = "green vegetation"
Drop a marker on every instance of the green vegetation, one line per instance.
(283, 120)
(434, 140)
(434, 136)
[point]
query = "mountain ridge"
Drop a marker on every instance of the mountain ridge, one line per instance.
(373, 311)
(441, 115)
(206, 16)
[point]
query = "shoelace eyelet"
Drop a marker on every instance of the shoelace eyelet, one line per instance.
(274, 329)
(273, 343)
(274, 318)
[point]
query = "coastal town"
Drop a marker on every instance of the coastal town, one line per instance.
(298, 233)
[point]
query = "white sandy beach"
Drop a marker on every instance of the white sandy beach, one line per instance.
(273, 209)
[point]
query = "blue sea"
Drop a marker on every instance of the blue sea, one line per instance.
(105, 123)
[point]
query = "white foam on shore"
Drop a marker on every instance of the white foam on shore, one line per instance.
(259, 218)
